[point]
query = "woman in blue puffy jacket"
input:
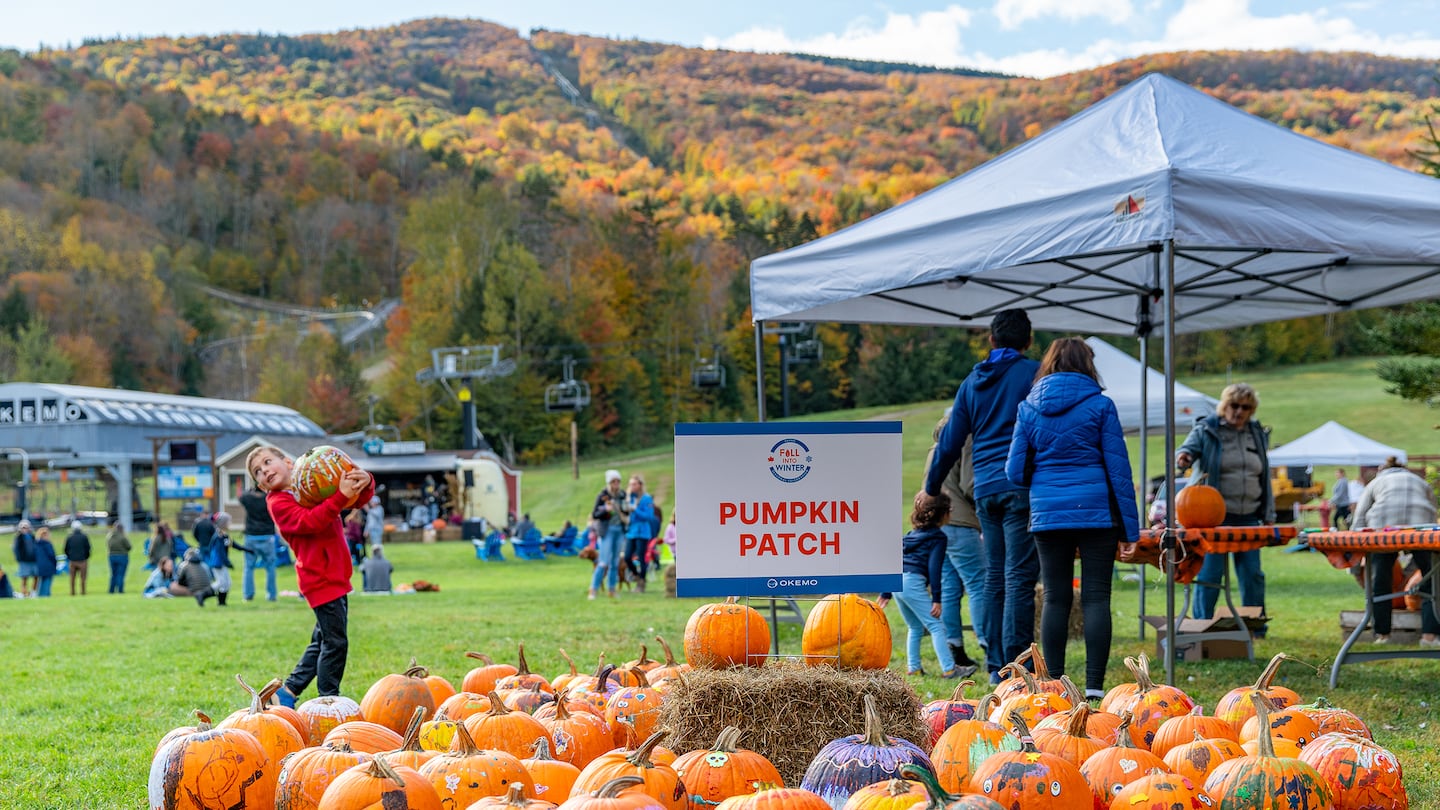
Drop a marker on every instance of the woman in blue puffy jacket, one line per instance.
(1069, 450)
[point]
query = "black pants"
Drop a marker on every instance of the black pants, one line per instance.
(1057, 573)
(635, 548)
(1382, 567)
(324, 659)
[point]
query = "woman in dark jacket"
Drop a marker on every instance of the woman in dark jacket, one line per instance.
(1069, 450)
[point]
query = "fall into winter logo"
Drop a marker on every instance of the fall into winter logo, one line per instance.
(789, 460)
(1130, 208)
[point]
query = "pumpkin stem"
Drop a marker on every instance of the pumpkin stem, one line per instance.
(939, 797)
(521, 665)
(1030, 684)
(602, 676)
(611, 789)
(416, 672)
(959, 693)
(728, 738)
(1022, 730)
(1079, 724)
(1266, 747)
(639, 675)
(644, 657)
(380, 769)
(497, 705)
(730, 600)
(1042, 672)
(204, 724)
(1072, 692)
(249, 690)
(1141, 671)
(515, 796)
(570, 661)
(412, 731)
(262, 697)
(669, 654)
(874, 728)
(464, 744)
(896, 788)
(986, 705)
(562, 712)
(1122, 731)
(641, 757)
(542, 749)
(481, 657)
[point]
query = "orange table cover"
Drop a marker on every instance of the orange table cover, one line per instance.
(1196, 543)
(1346, 549)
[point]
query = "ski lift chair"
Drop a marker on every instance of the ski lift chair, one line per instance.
(708, 375)
(567, 395)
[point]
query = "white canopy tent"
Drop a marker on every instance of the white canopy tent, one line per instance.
(1333, 443)
(1120, 374)
(1159, 207)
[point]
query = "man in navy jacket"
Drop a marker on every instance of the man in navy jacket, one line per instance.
(985, 408)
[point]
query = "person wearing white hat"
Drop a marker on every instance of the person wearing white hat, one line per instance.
(609, 516)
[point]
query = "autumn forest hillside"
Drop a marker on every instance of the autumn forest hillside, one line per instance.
(560, 195)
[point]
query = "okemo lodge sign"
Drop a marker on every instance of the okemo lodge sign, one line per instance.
(40, 412)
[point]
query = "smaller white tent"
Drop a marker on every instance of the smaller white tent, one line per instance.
(1333, 443)
(1120, 374)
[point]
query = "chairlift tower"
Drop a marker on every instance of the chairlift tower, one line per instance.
(466, 364)
(798, 344)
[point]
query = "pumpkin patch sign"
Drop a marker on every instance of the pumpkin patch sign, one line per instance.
(787, 510)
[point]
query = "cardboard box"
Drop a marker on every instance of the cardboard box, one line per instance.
(1209, 649)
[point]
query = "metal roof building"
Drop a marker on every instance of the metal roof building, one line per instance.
(70, 426)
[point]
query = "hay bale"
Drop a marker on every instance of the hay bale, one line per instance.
(787, 711)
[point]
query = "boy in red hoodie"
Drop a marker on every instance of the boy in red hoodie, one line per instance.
(322, 565)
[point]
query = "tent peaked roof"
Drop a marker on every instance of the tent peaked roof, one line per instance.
(1333, 443)
(1267, 224)
(1120, 374)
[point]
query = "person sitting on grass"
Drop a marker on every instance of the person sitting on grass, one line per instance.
(375, 571)
(193, 578)
(158, 585)
(919, 598)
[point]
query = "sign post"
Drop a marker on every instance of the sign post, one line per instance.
(781, 510)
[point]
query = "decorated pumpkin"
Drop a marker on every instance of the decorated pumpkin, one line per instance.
(1199, 506)
(501, 729)
(306, 773)
(317, 472)
(1329, 718)
(362, 735)
(1264, 781)
(770, 797)
(846, 631)
(579, 735)
(1237, 705)
(217, 767)
(523, 677)
(553, 778)
(1152, 703)
(726, 634)
(392, 700)
(966, 744)
(1099, 724)
(1071, 742)
(1179, 730)
(461, 706)
(1199, 757)
(845, 765)
(411, 753)
(1110, 769)
(275, 734)
(633, 712)
(1360, 774)
(724, 770)
(323, 714)
(514, 799)
(620, 793)
(1030, 779)
(891, 794)
(656, 778)
(437, 734)
(669, 668)
(941, 799)
(468, 773)
(1158, 790)
(941, 714)
(376, 784)
(1289, 723)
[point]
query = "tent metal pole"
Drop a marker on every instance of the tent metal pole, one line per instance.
(1144, 452)
(1167, 542)
(759, 371)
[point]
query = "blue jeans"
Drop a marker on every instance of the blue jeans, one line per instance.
(914, 601)
(1010, 578)
(44, 589)
(260, 555)
(118, 565)
(1247, 573)
(964, 572)
(608, 560)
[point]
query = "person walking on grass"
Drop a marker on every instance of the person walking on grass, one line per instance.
(77, 555)
(609, 517)
(920, 593)
(641, 506)
(117, 544)
(964, 571)
(322, 565)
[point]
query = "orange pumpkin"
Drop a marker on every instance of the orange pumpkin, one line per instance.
(1236, 706)
(621, 793)
(362, 735)
(1161, 791)
(481, 680)
(670, 668)
(941, 714)
(323, 714)
(771, 797)
(514, 799)
(1152, 704)
(563, 680)
(411, 753)
(580, 736)
(523, 677)
(660, 781)
(553, 778)
(392, 700)
(1183, 729)
(1359, 773)
(274, 733)
(940, 799)
(1199, 757)
(1332, 718)
(891, 794)
(1268, 781)
(846, 631)
(501, 729)
(316, 474)
(595, 691)
(306, 773)
(202, 724)
(633, 713)
(1030, 779)
(1072, 742)
(375, 785)
(725, 770)
(1285, 749)
(1110, 769)
(1199, 506)
(1033, 704)
(966, 744)
(463, 705)
(726, 634)
(1289, 723)
(644, 663)
(441, 690)
(1101, 725)
(527, 700)
(468, 773)
(271, 706)
(218, 767)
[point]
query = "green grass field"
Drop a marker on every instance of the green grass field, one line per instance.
(90, 684)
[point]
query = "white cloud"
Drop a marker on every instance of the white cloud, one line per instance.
(930, 38)
(1011, 13)
(1213, 24)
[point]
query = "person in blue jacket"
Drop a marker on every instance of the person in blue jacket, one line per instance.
(984, 408)
(24, 547)
(640, 530)
(46, 562)
(1069, 451)
(921, 588)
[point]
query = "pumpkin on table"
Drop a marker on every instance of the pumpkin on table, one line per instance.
(1030, 779)
(845, 765)
(324, 713)
(305, 774)
(846, 631)
(376, 784)
(391, 701)
(713, 775)
(657, 779)
(212, 768)
(1199, 506)
(1237, 705)
(468, 773)
(966, 744)
(1265, 781)
(1360, 774)
(726, 634)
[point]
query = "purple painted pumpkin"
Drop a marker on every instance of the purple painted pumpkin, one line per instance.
(845, 765)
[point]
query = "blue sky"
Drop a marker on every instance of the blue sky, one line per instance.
(1029, 37)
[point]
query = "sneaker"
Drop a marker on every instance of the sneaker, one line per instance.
(1382, 639)
(920, 672)
(286, 697)
(1094, 694)
(592, 596)
(959, 672)
(1430, 642)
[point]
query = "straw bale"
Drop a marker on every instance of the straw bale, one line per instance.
(787, 711)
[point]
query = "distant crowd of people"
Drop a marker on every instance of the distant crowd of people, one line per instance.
(623, 538)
